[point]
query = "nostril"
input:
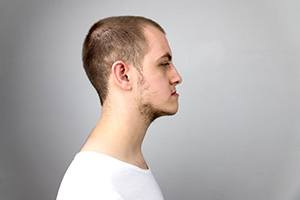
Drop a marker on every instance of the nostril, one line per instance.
(175, 77)
(179, 78)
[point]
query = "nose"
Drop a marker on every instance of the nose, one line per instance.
(175, 77)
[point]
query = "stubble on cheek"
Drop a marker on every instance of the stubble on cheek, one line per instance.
(145, 107)
(149, 113)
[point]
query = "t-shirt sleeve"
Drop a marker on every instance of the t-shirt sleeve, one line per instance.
(87, 193)
(80, 183)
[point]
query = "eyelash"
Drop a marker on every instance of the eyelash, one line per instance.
(166, 64)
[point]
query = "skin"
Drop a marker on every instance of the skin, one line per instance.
(134, 100)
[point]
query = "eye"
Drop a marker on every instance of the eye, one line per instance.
(165, 64)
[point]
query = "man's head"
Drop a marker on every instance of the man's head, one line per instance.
(112, 39)
(134, 53)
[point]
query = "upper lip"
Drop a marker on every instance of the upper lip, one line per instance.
(174, 92)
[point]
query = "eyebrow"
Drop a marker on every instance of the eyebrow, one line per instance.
(166, 55)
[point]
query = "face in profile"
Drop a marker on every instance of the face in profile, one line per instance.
(158, 94)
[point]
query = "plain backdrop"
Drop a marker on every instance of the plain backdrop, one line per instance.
(236, 135)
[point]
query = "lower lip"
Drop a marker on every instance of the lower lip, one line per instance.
(175, 94)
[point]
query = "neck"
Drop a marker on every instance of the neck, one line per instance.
(119, 133)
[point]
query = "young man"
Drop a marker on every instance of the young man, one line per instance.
(129, 62)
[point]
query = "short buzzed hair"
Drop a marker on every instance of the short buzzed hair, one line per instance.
(112, 39)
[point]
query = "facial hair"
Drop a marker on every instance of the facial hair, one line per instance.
(147, 110)
(149, 113)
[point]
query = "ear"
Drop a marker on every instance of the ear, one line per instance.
(120, 75)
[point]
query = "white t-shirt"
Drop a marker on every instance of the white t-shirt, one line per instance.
(97, 176)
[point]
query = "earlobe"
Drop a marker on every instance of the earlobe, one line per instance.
(120, 75)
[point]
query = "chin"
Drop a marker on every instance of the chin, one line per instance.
(166, 112)
(152, 112)
(172, 111)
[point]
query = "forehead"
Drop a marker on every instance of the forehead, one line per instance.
(157, 42)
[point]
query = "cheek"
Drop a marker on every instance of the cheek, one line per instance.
(155, 87)
(151, 92)
(159, 92)
(160, 85)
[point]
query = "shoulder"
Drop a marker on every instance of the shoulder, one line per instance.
(86, 193)
(87, 178)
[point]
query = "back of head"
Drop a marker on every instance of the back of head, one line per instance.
(112, 39)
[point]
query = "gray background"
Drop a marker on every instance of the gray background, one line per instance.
(237, 133)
